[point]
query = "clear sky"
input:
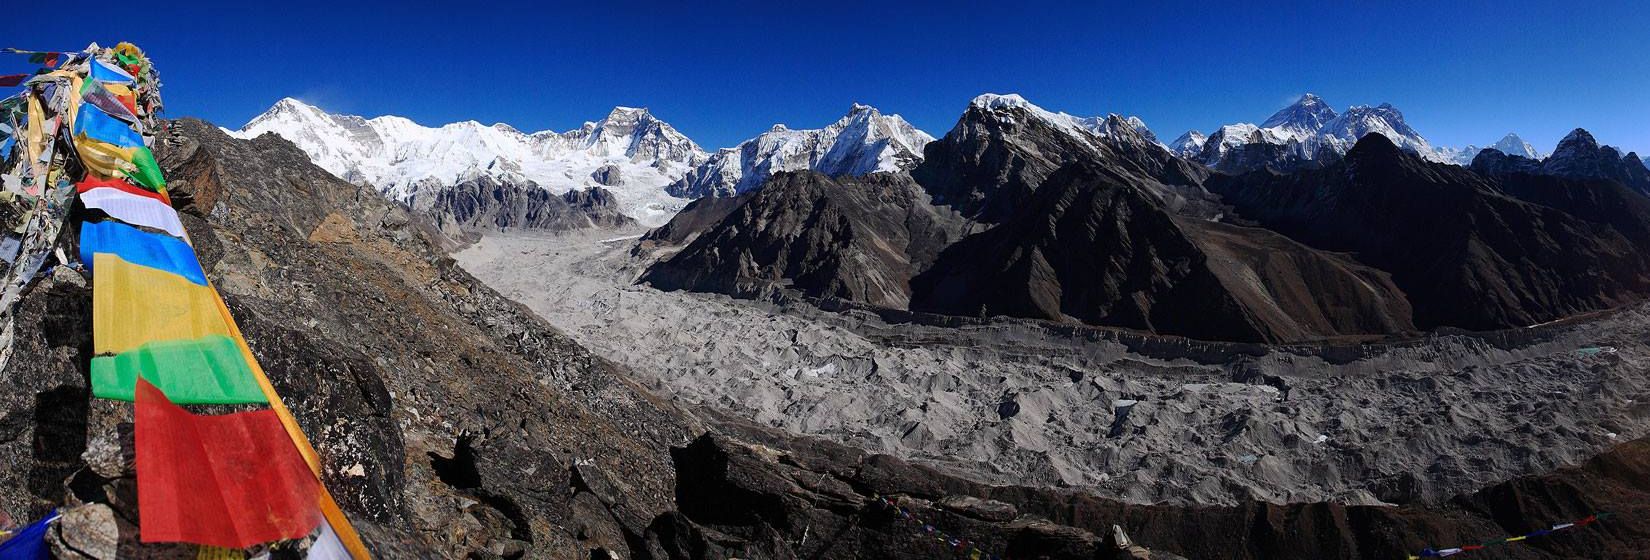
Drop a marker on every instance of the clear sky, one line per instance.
(1462, 72)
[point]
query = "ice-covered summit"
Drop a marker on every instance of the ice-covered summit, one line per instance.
(629, 152)
(1306, 133)
(862, 141)
(1301, 119)
(1511, 144)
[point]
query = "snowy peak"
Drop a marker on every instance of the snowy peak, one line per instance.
(1383, 119)
(863, 141)
(407, 160)
(1307, 133)
(634, 133)
(1302, 118)
(1511, 144)
(1188, 144)
(1578, 141)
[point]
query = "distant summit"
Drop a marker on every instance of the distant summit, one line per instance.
(1306, 134)
(861, 142)
(629, 151)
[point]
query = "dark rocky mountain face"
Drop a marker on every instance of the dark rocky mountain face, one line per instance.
(995, 158)
(1091, 246)
(483, 203)
(692, 220)
(1579, 156)
(1491, 161)
(1467, 254)
(860, 239)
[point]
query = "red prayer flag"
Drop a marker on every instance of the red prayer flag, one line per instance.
(231, 480)
(12, 80)
(120, 184)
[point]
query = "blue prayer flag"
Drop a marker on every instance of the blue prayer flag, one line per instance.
(28, 543)
(154, 250)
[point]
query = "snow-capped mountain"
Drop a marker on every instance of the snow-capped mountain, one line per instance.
(1307, 133)
(629, 152)
(1301, 120)
(1189, 144)
(1510, 144)
(861, 142)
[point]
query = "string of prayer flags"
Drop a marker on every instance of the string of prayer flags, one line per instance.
(45, 58)
(1446, 552)
(960, 545)
(162, 336)
(230, 480)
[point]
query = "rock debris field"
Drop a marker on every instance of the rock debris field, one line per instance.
(1028, 403)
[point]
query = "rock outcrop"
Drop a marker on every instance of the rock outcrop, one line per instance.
(485, 203)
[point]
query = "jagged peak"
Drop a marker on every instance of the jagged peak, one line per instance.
(628, 113)
(1306, 114)
(859, 108)
(1579, 138)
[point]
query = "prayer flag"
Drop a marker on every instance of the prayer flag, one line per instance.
(28, 543)
(98, 125)
(145, 171)
(122, 185)
(106, 72)
(154, 250)
(134, 209)
(209, 370)
(231, 480)
(134, 305)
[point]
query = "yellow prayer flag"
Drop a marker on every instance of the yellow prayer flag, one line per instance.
(105, 160)
(134, 304)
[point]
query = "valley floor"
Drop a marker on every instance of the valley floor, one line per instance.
(1017, 402)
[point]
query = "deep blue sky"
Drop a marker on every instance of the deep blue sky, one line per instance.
(1462, 72)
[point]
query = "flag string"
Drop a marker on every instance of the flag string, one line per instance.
(1444, 552)
(963, 547)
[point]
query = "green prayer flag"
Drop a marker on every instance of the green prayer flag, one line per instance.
(209, 370)
(148, 171)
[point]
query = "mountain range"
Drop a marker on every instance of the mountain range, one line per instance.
(652, 170)
(1023, 212)
(645, 162)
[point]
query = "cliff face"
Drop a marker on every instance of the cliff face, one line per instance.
(1091, 246)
